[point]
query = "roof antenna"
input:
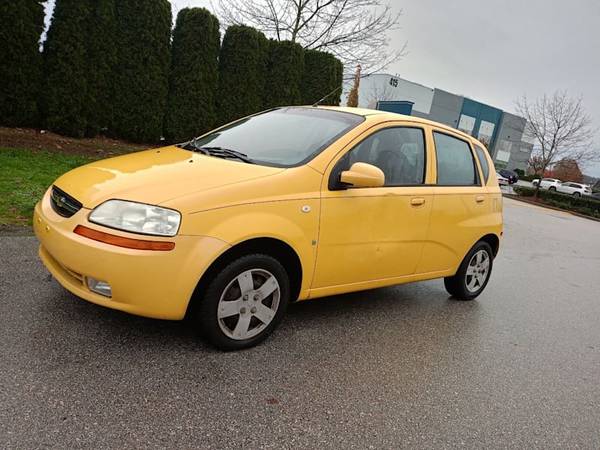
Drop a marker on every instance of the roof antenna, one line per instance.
(324, 98)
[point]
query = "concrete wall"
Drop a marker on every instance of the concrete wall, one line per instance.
(510, 149)
(446, 108)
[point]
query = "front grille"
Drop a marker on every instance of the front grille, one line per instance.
(62, 203)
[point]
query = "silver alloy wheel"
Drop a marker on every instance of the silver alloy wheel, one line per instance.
(477, 271)
(248, 304)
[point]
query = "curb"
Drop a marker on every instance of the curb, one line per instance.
(543, 205)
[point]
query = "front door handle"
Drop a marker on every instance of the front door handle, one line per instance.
(480, 199)
(417, 201)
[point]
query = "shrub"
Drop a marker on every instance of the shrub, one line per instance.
(101, 45)
(191, 106)
(142, 76)
(21, 24)
(284, 74)
(65, 88)
(242, 70)
(322, 76)
(583, 205)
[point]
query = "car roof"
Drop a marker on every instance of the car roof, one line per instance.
(382, 116)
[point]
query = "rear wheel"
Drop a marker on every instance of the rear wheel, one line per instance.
(552, 188)
(473, 274)
(244, 303)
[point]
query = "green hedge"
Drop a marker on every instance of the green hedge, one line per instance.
(21, 23)
(322, 76)
(242, 70)
(191, 107)
(588, 206)
(283, 85)
(65, 64)
(142, 73)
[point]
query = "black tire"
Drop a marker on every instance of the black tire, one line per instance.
(576, 194)
(552, 188)
(534, 183)
(457, 284)
(206, 314)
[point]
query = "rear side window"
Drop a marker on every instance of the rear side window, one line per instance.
(455, 163)
(483, 162)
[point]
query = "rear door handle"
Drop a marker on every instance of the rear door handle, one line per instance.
(480, 199)
(417, 201)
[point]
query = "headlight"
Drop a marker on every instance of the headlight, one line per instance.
(136, 218)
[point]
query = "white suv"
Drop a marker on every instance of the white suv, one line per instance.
(551, 184)
(574, 189)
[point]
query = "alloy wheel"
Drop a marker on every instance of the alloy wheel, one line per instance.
(477, 271)
(248, 304)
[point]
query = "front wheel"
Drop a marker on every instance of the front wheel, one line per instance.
(244, 303)
(552, 188)
(576, 194)
(473, 274)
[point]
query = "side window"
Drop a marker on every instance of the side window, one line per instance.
(455, 163)
(483, 162)
(399, 152)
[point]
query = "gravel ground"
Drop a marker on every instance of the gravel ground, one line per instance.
(400, 367)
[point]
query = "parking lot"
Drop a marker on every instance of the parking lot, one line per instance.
(390, 368)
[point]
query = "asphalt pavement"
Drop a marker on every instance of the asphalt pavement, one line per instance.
(402, 367)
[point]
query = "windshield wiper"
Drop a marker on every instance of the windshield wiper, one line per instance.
(194, 147)
(221, 152)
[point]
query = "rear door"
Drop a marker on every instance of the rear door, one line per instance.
(460, 203)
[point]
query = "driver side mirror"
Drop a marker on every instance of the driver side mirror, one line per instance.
(363, 175)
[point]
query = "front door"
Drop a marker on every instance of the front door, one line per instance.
(369, 234)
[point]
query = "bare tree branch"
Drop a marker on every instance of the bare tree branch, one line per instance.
(560, 128)
(355, 31)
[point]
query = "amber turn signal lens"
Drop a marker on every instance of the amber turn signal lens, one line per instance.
(119, 241)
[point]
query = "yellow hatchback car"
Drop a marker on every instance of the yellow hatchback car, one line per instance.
(288, 204)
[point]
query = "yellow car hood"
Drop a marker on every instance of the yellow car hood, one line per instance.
(155, 176)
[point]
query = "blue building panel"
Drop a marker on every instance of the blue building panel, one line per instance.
(398, 107)
(480, 120)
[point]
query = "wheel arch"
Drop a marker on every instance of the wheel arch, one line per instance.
(273, 247)
(493, 241)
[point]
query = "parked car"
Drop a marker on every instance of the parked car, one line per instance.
(574, 189)
(501, 180)
(511, 176)
(285, 205)
(551, 184)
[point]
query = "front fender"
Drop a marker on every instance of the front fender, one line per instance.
(295, 222)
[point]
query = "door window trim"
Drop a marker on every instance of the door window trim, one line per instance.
(333, 183)
(473, 156)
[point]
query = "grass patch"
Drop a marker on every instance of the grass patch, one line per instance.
(24, 177)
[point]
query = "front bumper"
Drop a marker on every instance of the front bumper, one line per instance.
(157, 284)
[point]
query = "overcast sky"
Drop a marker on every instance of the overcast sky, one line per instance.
(498, 50)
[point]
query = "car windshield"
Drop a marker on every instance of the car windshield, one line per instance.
(283, 137)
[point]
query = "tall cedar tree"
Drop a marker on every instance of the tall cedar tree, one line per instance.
(322, 77)
(142, 78)
(101, 47)
(21, 24)
(242, 70)
(284, 74)
(65, 86)
(191, 106)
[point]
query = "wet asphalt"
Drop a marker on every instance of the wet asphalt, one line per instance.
(402, 367)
